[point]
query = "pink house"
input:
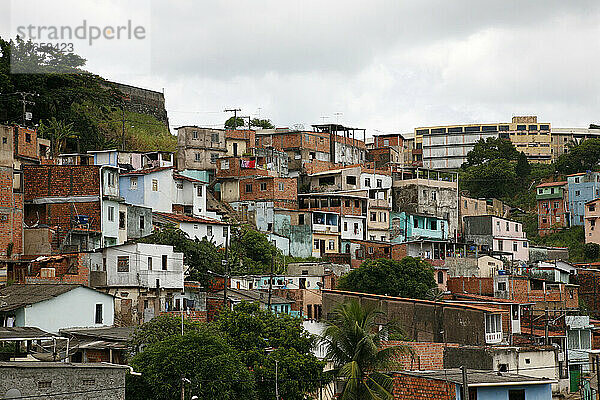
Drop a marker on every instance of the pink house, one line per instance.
(501, 235)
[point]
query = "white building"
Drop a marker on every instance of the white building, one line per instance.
(52, 307)
(196, 227)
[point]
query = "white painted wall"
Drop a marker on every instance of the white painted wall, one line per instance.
(349, 233)
(160, 200)
(200, 230)
(73, 309)
(110, 228)
(139, 273)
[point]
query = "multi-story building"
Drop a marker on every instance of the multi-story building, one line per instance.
(583, 187)
(446, 147)
(345, 147)
(553, 207)
(409, 227)
(239, 142)
(198, 228)
(127, 160)
(308, 152)
(390, 149)
(491, 206)
(563, 138)
(425, 192)
(143, 278)
(200, 148)
(498, 236)
(79, 203)
(592, 228)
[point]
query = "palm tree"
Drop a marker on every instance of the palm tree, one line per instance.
(59, 132)
(354, 346)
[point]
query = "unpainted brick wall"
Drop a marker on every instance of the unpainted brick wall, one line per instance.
(415, 388)
(61, 181)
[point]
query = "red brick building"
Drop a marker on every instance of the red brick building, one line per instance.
(553, 207)
(283, 192)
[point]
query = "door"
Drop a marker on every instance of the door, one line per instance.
(235, 149)
(574, 375)
(322, 247)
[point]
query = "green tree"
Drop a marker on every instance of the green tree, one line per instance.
(252, 331)
(201, 255)
(239, 123)
(58, 132)
(158, 329)
(409, 277)
(262, 123)
(580, 158)
(203, 356)
(491, 149)
(251, 251)
(591, 251)
(354, 346)
(495, 178)
(522, 169)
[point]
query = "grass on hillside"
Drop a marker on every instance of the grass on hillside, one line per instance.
(142, 132)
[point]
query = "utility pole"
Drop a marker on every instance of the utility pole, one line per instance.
(25, 102)
(598, 371)
(271, 283)
(546, 327)
(465, 384)
(123, 126)
(234, 111)
(276, 381)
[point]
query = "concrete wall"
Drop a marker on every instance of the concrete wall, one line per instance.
(134, 230)
(80, 381)
(51, 315)
(353, 227)
(200, 230)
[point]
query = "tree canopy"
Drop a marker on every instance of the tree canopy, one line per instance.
(580, 158)
(262, 123)
(409, 277)
(251, 251)
(491, 149)
(202, 356)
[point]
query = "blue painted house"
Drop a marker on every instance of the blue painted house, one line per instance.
(583, 187)
(406, 227)
(482, 385)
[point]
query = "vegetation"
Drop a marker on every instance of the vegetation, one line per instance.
(241, 123)
(409, 277)
(233, 357)
(580, 158)
(78, 110)
(251, 251)
(354, 346)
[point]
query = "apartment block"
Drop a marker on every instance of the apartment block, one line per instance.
(553, 207)
(497, 235)
(200, 148)
(592, 222)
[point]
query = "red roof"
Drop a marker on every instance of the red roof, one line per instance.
(547, 184)
(187, 218)
(490, 299)
(146, 171)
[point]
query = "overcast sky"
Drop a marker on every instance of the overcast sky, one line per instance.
(387, 66)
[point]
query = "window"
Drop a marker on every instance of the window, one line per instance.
(351, 180)
(345, 226)
(133, 182)
(368, 182)
(225, 232)
(209, 231)
(301, 219)
(521, 127)
(516, 394)
(371, 237)
(28, 137)
(44, 384)
(281, 186)
(515, 246)
(213, 158)
(500, 245)
(331, 244)
(89, 382)
(440, 277)
(122, 263)
(316, 244)
(383, 216)
(164, 262)
(122, 219)
(197, 157)
(433, 195)
(493, 323)
(248, 188)
(577, 193)
(507, 227)
(416, 223)
(154, 185)
(373, 217)
(371, 250)
(111, 213)
(263, 186)
(501, 286)
(592, 207)
(502, 367)
(577, 180)
(111, 179)
(149, 263)
(98, 317)
(214, 137)
(195, 134)
(356, 204)
(383, 239)
(386, 142)
(347, 203)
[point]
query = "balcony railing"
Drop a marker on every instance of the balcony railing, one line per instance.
(494, 337)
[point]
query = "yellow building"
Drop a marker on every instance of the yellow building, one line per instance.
(532, 138)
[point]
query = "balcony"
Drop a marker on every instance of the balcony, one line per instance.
(494, 337)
